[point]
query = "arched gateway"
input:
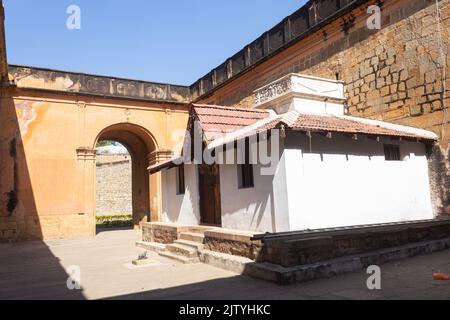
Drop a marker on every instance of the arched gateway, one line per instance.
(140, 144)
(52, 122)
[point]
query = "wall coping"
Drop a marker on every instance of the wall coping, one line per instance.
(232, 235)
(98, 85)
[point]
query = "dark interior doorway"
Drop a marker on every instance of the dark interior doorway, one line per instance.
(209, 188)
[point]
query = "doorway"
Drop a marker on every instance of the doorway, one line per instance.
(209, 189)
(139, 144)
(114, 204)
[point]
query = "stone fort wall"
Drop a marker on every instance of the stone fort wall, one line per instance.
(113, 175)
(398, 74)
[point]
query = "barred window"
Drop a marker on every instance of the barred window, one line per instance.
(245, 176)
(245, 171)
(181, 187)
(392, 152)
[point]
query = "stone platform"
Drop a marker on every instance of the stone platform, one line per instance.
(291, 257)
(290, 249)
(184, 243)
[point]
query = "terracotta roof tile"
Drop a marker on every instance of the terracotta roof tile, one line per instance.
(338, 124)
(216, 120)
(344, 124)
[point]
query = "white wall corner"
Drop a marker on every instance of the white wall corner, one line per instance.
(280, 196)
(294, 178)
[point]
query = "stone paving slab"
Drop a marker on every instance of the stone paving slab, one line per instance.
(36, 270)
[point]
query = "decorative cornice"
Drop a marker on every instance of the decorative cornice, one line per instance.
(273, 90)
(158, 156)
(86, 154)
(299, 86)
(81, 83)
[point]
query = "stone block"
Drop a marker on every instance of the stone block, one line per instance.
(404, 75)
(385, 91)
(233, 242)
(411, 83)
(430, 77)
(142, 262)
(161, 232)
(384, 72)
(306, 249)
(436, 105)
(420, 91)
(395, 77)
(415, 110)
(369, 78)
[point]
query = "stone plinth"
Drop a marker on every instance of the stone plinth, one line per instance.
(322, 246)
(161, 232)
(233, 242)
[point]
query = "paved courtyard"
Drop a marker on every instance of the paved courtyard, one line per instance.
(36, 270)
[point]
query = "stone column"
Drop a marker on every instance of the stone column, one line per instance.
(86, 184)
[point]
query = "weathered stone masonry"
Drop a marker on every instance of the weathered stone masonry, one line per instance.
(398, 74)
(114, 194)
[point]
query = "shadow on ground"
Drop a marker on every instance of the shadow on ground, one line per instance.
(30, 271)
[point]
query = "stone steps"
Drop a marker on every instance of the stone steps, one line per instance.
(151, 246)
(182, 249)
(192, 236)
(225, 261)
(179, 258)
(192, 244)
(185, 249)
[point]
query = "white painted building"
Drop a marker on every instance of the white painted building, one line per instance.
(331, 170)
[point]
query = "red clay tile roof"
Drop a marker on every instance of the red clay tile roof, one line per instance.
(217, 120)
(346, 124)
(337, 124)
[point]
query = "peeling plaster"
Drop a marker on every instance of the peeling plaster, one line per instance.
(26, 115)
(64, 82)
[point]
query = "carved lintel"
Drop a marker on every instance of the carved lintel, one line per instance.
(273, 90)
(284, 90)
(86, 154)
(158, 156)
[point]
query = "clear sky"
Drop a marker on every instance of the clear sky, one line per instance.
(173, 41)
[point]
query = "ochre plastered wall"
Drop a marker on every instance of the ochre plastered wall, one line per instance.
(3, 63)
(47, 188)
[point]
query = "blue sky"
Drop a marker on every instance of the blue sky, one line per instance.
(173, 41)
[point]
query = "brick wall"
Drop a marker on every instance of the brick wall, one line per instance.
(398, 74)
